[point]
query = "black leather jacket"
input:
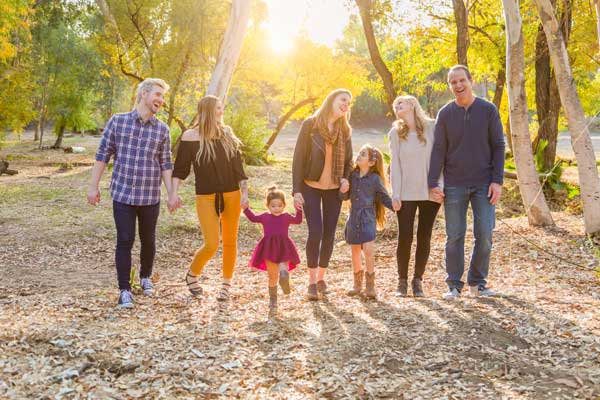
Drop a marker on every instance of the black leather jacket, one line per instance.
(309, 156)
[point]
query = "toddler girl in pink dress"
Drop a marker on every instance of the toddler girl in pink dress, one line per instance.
(275, 253)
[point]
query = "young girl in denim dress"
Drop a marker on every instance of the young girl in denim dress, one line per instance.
(368, 196)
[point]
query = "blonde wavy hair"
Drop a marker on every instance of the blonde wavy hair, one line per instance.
(321, 116)
(421, 119)
(212, 129)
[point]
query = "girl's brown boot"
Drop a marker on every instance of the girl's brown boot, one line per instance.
(370, 286)
(358, 280)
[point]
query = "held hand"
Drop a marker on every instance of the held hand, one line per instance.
(298, 201)
(174, 202)
(93, 196)
(437, 194)
(344, 185)
(396, 205)
(494, 193)
(244, 202)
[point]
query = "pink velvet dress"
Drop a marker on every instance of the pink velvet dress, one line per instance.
(275, 245)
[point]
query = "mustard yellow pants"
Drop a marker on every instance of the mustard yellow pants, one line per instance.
(214, 227)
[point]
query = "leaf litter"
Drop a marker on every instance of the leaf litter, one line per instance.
(61, 336)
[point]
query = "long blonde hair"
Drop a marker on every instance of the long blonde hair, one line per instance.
(378, 168)
(421, 119)
(321, 116)
(212, 129)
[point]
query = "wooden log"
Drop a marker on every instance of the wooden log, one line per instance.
(4, 169)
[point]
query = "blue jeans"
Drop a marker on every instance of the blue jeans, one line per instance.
(125, 217)
(456, 203)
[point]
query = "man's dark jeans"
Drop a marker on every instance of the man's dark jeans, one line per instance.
(125, 219)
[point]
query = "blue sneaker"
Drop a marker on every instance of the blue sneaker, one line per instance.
(147, 286)
(125, 299)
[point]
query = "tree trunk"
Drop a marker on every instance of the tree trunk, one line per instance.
(538, 212)
(42, 124)
(508, 133)
(461, 15)
(110, 19)
(60, 133)
(580, 135)
(230, 49)
(597, 7)
(174, 90)
(364, 7)
(547, 98)
(284, 118)
(500, 81)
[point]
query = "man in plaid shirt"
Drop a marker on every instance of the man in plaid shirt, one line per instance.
(141, 147)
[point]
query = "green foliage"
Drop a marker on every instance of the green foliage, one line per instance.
(251, 130)
(551, 179)
(69, 65)
(175, 133)
(133, 283)
(16, 101)
(509, 163)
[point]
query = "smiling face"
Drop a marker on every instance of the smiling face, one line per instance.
(363, 161)
(154, 99)
(461, 86)
(341, 105)
(403, 108)
(276, 206)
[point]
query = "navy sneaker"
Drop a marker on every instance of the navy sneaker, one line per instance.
(147, 286)
(125, 299)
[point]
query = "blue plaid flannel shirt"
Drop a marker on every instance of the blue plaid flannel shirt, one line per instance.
(141, 152)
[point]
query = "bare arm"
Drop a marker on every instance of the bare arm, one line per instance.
(174, 201)
(93, 195)
(244, 202)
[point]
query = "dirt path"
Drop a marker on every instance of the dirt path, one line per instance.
(61, 336)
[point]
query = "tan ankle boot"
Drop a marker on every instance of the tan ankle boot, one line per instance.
(370, 286)
(358, 280)
(272, 302)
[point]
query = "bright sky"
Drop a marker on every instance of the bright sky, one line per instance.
(324, 20)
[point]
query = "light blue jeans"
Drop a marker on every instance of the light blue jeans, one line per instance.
(456, 204)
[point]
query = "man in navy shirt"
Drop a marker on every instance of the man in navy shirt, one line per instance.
(141, 147)
(469, 148)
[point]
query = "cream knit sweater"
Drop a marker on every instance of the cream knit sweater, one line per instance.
(410, 165)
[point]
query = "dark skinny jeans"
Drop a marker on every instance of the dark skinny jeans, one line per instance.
(322, 210)
(125, 217)
(406, 221)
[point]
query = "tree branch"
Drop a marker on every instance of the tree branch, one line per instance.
(284, 118)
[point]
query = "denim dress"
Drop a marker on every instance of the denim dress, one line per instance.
(364, 191)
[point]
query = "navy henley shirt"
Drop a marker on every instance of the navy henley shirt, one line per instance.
(468, 145)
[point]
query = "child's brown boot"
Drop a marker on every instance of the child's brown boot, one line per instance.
(370, 286)
(272, 302)
(358, 280)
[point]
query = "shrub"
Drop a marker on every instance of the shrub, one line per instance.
(251, 130)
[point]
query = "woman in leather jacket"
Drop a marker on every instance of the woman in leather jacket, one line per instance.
(321, 167)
